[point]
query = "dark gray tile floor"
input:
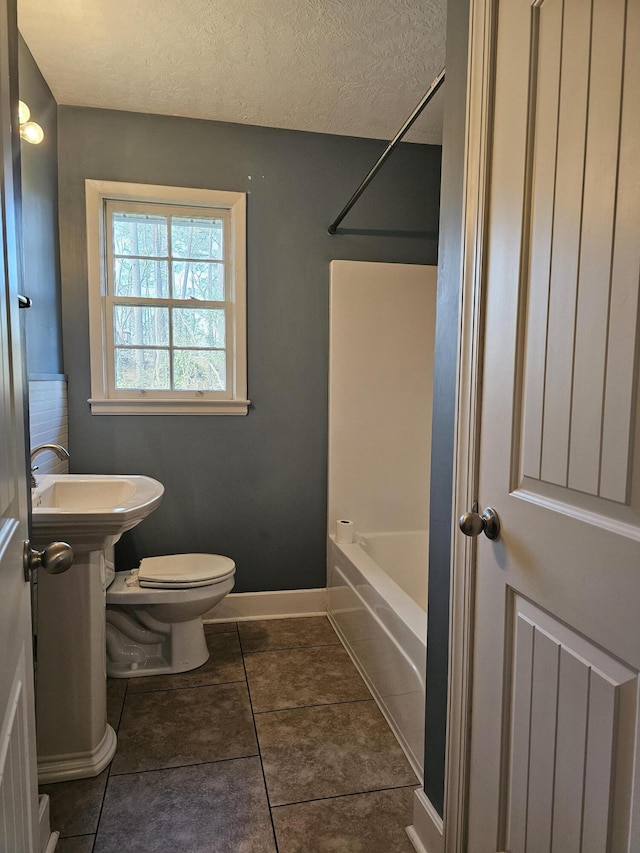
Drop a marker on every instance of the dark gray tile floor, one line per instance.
(273, 745)
(76, 844)
(297, 678)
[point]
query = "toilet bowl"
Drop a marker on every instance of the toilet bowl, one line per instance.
(154, 613)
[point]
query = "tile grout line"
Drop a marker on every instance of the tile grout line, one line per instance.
(314, 705)
(183, 766)
(291, 648)
(230, 622)
(78, 835)
(124, 697)
(255, 729)
(185, 687)
(413, 787)
(106, 785)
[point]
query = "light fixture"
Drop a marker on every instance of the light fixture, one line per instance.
(24, 113)
(30, 131)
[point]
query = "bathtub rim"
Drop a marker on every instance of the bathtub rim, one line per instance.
(408, 610)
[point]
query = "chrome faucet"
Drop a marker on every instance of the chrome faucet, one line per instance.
(58, 449)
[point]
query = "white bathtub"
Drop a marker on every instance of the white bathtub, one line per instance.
(377, 603)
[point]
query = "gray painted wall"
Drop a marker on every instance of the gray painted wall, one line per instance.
(252, 487)
(444, 400)
(39, 173)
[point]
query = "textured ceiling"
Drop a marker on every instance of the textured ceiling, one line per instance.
(354, 67)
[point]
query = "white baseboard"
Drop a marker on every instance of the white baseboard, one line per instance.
(242, 606)
(52, 843)
(47, 839)
(426, 832)
(77, 765)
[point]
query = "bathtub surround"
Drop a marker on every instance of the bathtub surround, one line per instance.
(398, 554)
(380, 398)
(382, 319)
(251, 487)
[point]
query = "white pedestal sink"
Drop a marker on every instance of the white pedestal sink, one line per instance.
(90, 512)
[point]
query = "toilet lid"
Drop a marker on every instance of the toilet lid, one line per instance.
(184, 570)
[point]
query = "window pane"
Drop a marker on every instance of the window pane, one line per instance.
(140, 325)
(140, 278)
(193, 237)
(142, 369)
(198, 327)
(139, 234)
(202, 280)
(199, 371)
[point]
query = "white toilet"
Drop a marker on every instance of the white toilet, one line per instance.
(154, 613)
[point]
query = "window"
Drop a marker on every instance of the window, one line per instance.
(167, 295)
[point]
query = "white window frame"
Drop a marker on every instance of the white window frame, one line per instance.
(105, 399)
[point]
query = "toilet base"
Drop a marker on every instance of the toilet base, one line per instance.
(182, 648)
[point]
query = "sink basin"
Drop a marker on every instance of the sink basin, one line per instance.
(84, 493)
(91, 510)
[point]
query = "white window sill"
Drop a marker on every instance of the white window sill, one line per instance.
(169, 407)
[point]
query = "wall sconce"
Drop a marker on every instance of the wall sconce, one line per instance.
(30, 131)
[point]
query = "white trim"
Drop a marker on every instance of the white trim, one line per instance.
(52, 843)
(104, 402)
(169, 407)
(152, 192)
(47, 840)
(78, 765)
(595, 515)
(475, 202)
(426, 831)
(278, 604)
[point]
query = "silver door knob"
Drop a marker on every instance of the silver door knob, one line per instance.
(55, 558)
(473, 524)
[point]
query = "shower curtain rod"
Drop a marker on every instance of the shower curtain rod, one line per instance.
(382, 160)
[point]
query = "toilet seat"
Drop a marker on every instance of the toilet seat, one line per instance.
(155, 613)
(184, 571)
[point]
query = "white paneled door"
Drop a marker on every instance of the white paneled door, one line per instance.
(556, 638)
(18, 774)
